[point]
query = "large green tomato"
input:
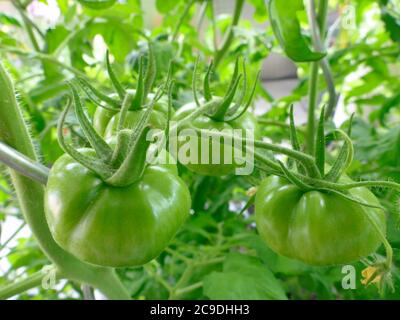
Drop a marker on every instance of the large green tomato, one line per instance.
(315, 227)
(105, 121)
(226, 165)
(114, 226)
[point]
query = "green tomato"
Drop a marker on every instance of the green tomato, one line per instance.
(114, 226)
(105, 121)
(316, 227)
(216, 149)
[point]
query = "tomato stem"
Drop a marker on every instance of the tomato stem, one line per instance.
(182, 18)
(229, 36)
(12, 289)
(312, 102)
(22, 164)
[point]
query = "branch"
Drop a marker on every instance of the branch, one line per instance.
(18, 287)
(22, 164)
(229, 36)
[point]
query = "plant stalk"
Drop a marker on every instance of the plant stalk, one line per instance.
(229, 36)
(182, 18)
(22, 164)
(18, 287)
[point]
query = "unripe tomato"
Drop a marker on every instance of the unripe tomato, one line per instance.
(114, 226)
(246, 122)
(316, 227)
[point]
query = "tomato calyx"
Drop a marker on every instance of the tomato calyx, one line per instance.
(122, 165)
(378, 273)
(225, 108)
(145, 82)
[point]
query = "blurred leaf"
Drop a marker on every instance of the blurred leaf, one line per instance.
(260, 13)
(243, 277)
(165, 6)
(8, 20)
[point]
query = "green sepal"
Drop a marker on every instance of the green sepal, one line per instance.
(223, 107)
(114, 80)
(219, 113)
(102, 149)
(320, 144)
(232, 110)
(93, 164)
(121, 148)
(126, 104)
(352, 199)
(194, 82)
(248, 103)
(286, 27)
(140, 89)
(90, 91)
(343, 160)
(206, 83)
(134, 163)
(151, 71)
(293, 179)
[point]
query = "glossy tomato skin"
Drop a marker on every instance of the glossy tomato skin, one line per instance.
(114, 226)
(315, 227)
(105, 121)
(246, 121)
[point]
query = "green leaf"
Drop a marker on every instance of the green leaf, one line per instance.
(393, 102)
(8, 20)
(165, 6)
(287, 30)
(97, 4)
(260, 13)
(7, 40)
(243, 278)
(391, 20)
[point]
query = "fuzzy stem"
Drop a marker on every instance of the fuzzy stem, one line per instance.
(182, 19)
(21, 286)
(27, 24)
(22, 164)
(312, 94)
(313, 82)
(326, 69)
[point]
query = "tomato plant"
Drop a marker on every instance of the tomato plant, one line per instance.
(136, 193)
